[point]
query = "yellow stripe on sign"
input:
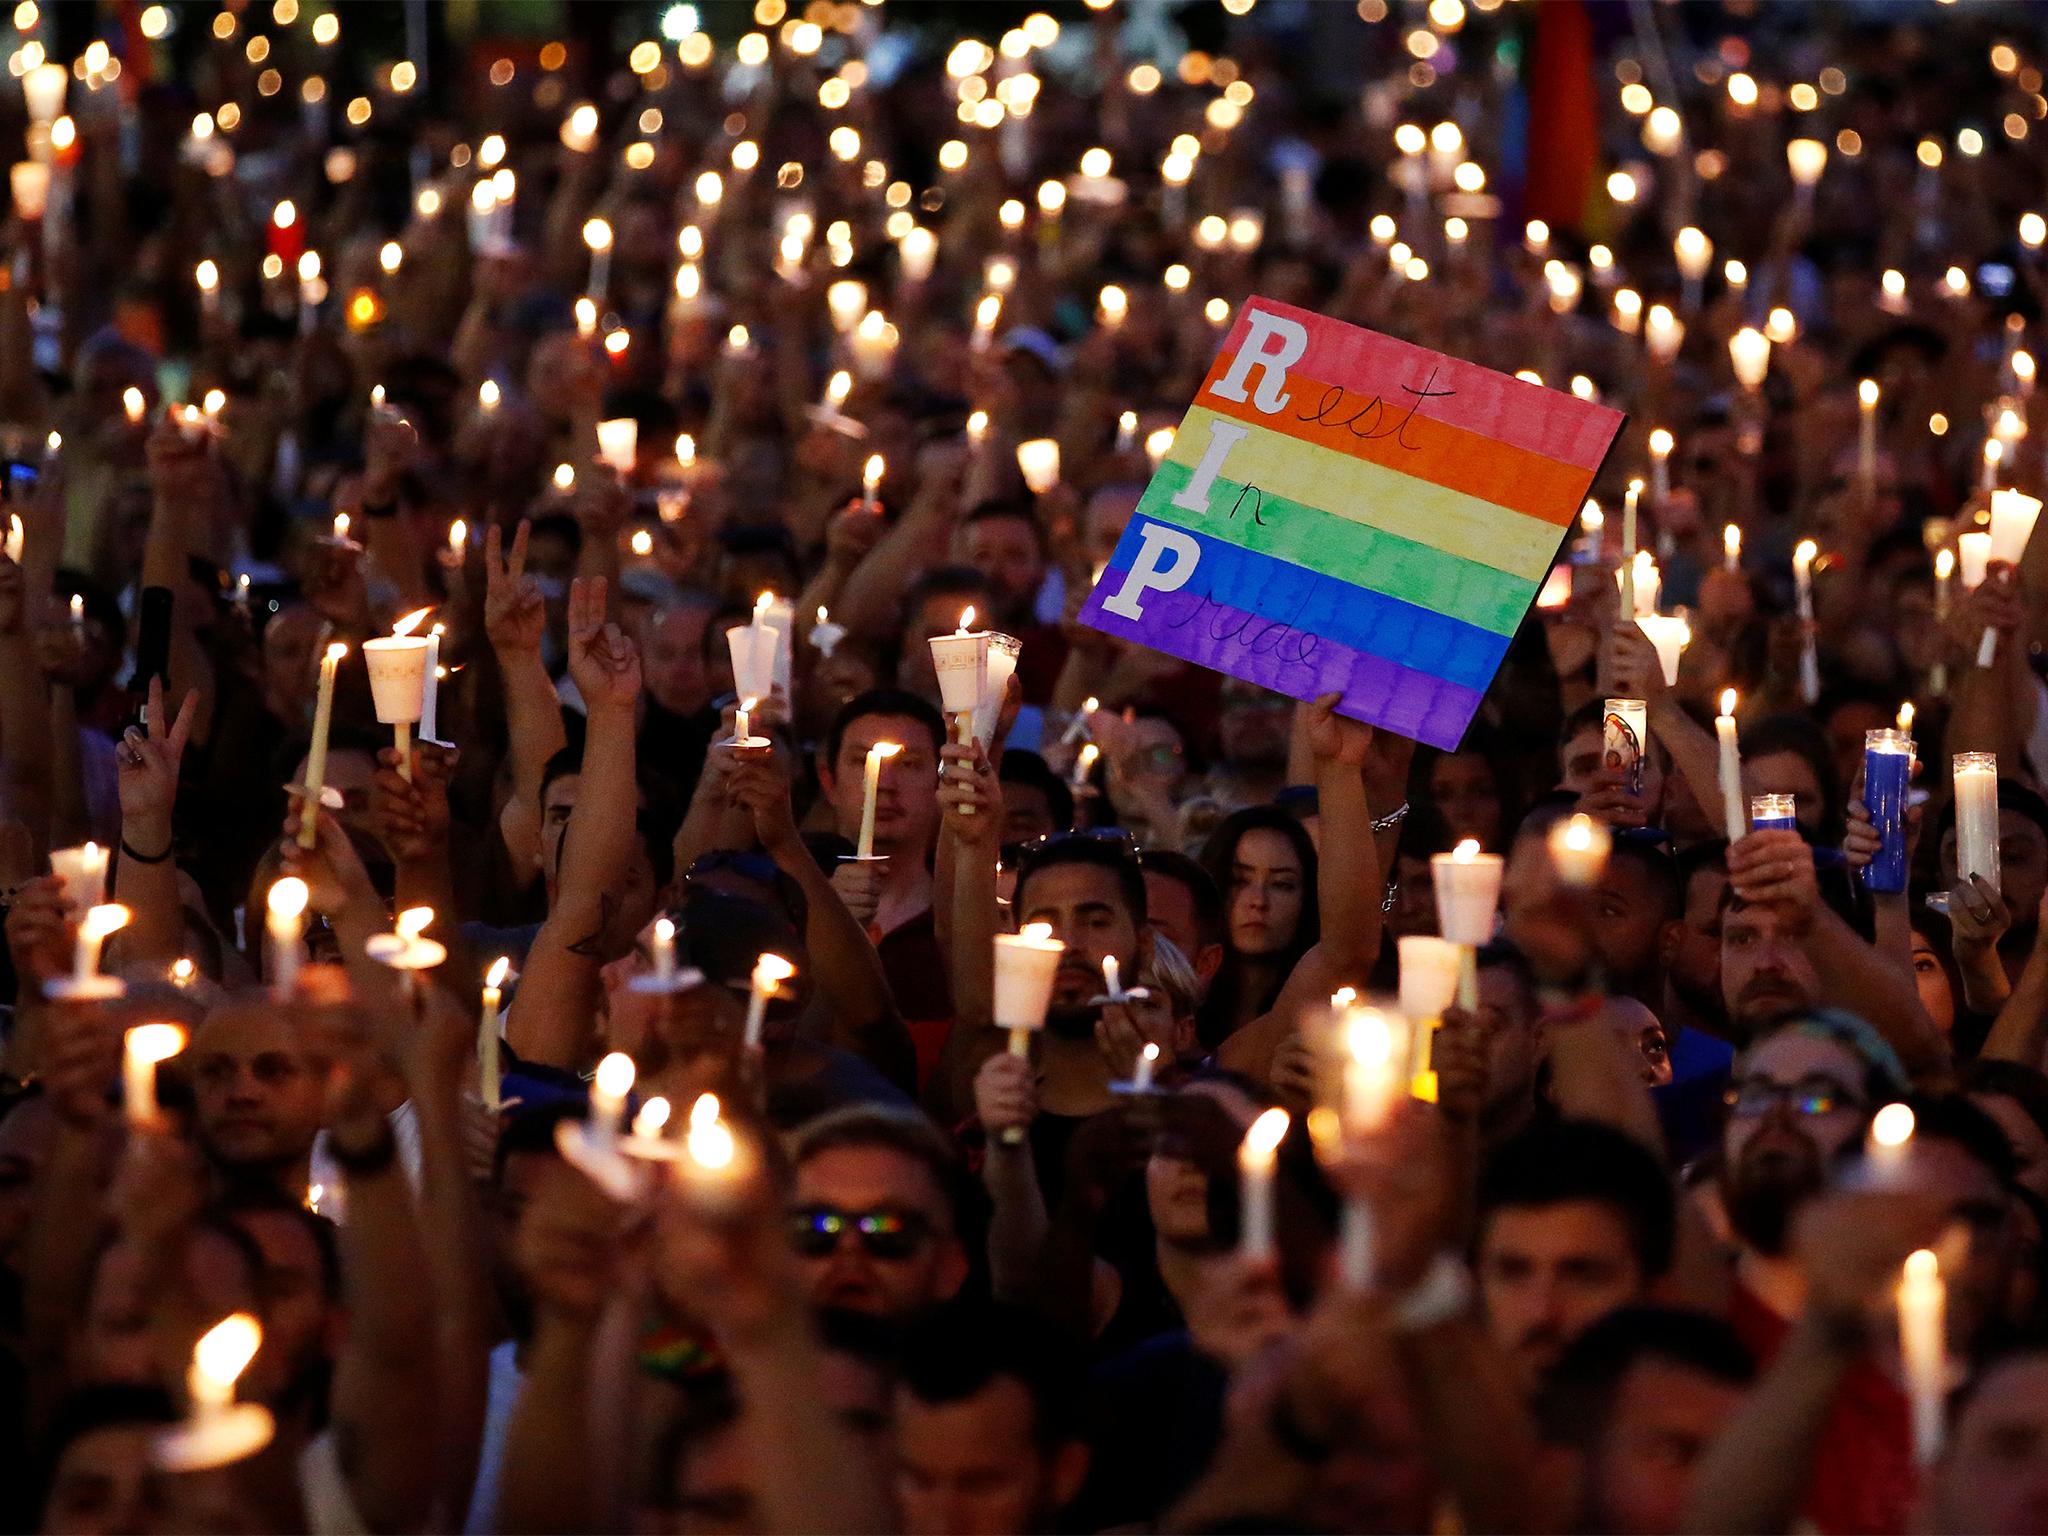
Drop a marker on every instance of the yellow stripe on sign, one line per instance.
(1372, 494)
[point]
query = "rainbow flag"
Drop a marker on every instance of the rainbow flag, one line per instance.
(1346, 513)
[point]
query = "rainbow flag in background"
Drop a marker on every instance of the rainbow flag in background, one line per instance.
(1346, 513)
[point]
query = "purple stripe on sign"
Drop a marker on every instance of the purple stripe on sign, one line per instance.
(1302, 666)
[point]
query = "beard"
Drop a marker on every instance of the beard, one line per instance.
(1767, 1190)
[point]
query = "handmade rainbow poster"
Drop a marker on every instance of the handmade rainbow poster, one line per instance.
(1346, 513)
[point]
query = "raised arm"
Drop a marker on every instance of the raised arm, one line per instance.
(2021, 1031)
(552, 1016)
(146, 877)
(969, 846)
(515, 617)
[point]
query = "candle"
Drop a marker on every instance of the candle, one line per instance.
(960, 661)
(1000, 667)
(1976, 791)
(1578, 849)
(183, 971)
(1084, 765)
(1661, 444)
(1148, 1066)
(877, 754)
(1429, 977)
(753, 647)
(217, 1430)
(312, 289)
(78, 618)
(1038, 459)
(1624, 723)
(133, 405)
(1806, 159)
(872, 346)
(85, 874)
(1994, 454)
(1257, 1157)
(1923, 1352)
(1944, 574)
(2013, 515)
(618, 444)
(597, 235)
(1694, 252)
(1628, 551)
(143, 1046)
(1370, 1068)
(1888, 1144)
(430, 686)
(1777, 813)
(1670, 634)
(847, 300)
(94, 928)
(1866, 435)
(1731, 549)
(648, 1123)
(770, 971)
(316, 753)
(397, 665)
(1467, 886)
(406, 948)
(1112, 979)
(871, 478)
(487, 1043)
(1749, 354)
(1973, 557)
(986, 313)
(609, 1087)
(16, 538)
(825, 634)
(1809, 658)
(1157, 442)
(286, 905)
(711, 1163)
(1887, 766)
(1731, 768)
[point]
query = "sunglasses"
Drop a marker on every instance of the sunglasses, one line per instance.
(815, 1231)
(1809, 1096)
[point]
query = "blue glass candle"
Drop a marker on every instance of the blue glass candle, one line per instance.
(1768, 812)
(1887, 766)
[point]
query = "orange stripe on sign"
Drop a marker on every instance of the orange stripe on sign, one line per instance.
(1389, 433)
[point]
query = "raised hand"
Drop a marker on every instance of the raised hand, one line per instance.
(568, 1247)
(146, 768)
(1978, 916)
(410, 816)
(757, 784)
(515, 614)
(390, 447)
(39, 931)
(603, 662)
(970, 799)
(860, 887)
(1005, 1094)
(1775, 866)
(1333, 738)
(332, 869)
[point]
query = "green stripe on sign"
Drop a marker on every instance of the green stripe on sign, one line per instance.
(1355, 552)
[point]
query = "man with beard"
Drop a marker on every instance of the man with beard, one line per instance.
(1575, 1220)
(1092, 892)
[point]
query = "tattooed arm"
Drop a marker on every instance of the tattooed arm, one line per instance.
(557, 1000)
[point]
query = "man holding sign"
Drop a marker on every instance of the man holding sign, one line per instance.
(1346, 513)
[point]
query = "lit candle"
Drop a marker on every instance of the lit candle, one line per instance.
(960, 661)
(1944, 575)
(430, 687)
(183, 972)
(487, 1042)
(1084, 765)
(986, 312)
(618, 444)
(1888, 1144)
(1661, 444)
(1695, 252)
(312, 289)
(1866, 435)
(1731, 769)
(1731, 549)
(1257, 1158)
(94, 928)
(1923, 1350)
(1429, 973)
(1038, 459)
(648, 1123)
(397, 665)
(1976, 792)
(1628, 549)
(207, 276)
(1670, 634)
(877, 754)
(16, 538)
(1774, 813)
(871, 478)
(1624, 723)
(1994, 455)
(1887, 768)
(340, 530)
(1578, 849)
(217, 1431)
(770, 971)
(283, 923)
(847, 300)
(1467, 884)
(1112, 979)
(609, 1088)
(133, 405)
(85, 874)
(825, 634)
(1749, 354)
(316, 753)
(597, 235)
(78, 618)
(143, 1047)
(711, 1164)
(1148, 1066)
(2013, 515)
(1809, 657)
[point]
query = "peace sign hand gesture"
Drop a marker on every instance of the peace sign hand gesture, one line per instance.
(603, 662)
(515, 615)
(147, 769)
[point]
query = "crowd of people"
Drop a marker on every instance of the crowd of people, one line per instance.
(618, 347)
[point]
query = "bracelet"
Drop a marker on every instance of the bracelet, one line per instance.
(1444, 1292)
(143, 858)
(1393, 894)
(1392, 819)
(373, 1159)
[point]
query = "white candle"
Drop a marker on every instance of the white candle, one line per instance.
(2013, 515)
(1731, 549)
(664, 951)
(1578, 849)
(1866, 435)
(1628, 550)
(1038, 459)
(597, 235)
(1112, 979)
(1888, 1144)
(1749, 354)
(488, 1070)
(1670, 634)
(649, 1121)
(430, 687)
(1257, 1157)
(1732, 819)
(1809, 658)
(1084, 765)
(618, 444)
(711, 1165)
(877, 754)
(16, 538)
(1148, 1065)
(609, 1089)
(1973, 559)
(316, 753)
(871, 478)
(218, 1360)
(283, 922)
(1661, 444)
(1923, 1351)
(93, 930)
(143, 1046)
(1370, 1069)
(770, 971)
(85, 874)
(1000, 666)
(1976, 790)
(1467, 886)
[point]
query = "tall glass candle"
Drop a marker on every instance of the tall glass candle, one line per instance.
(1976, 788)
(1887, 766)
(1624, 724)
(1773, 813)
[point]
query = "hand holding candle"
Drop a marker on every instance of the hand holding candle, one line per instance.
(2013, 516)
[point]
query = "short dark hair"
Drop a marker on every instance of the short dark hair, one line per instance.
(1578, 1398)
(1658, 867)
(1007, 512)
(943, 581)
(1034, 772)
(1116, 854)
(882, 701)
(1572, 1160)
(1187, 872)
(267, 1200)
(959, 1349)
(908, 1131)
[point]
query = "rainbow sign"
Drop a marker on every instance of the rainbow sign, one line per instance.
(1346, 513)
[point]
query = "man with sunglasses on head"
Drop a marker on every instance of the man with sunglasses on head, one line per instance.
(874, 1212)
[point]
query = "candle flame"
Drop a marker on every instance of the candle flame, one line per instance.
(1343, 997)
(1036, 933)
(1728, 701)
(337, 650)
(1731, 539)
(1922, 1265)
(1661, 443)
(414, 921)
(410, 622)
(885, 749)
(664, 931)
(458, 535)
(1804, 551)
(652, 1117)
(1266, 1133)
(1151, 1051)
(154, 1042)
(762, 604)
(288, 897)
(225, 1350)
(500, 969)
(1466, 851)
(1944, 564)
(1578, 833)
(1906, 715)
(1368, 1038)
(615, 1074)
(966, 618)
(710, 1142)
(103, 920)
(771, 969)
(1892, 1126)
(182, 972)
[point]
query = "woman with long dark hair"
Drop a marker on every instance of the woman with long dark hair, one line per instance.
(1264, 863)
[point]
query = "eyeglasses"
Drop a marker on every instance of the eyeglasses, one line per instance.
(1809, 1096)
(815, 1230)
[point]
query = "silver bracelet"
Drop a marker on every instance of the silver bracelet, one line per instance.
(1392, 819)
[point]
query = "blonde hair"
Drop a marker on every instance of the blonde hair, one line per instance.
(1169, 971)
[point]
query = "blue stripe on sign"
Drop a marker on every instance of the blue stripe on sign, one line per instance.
(1307, 603)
